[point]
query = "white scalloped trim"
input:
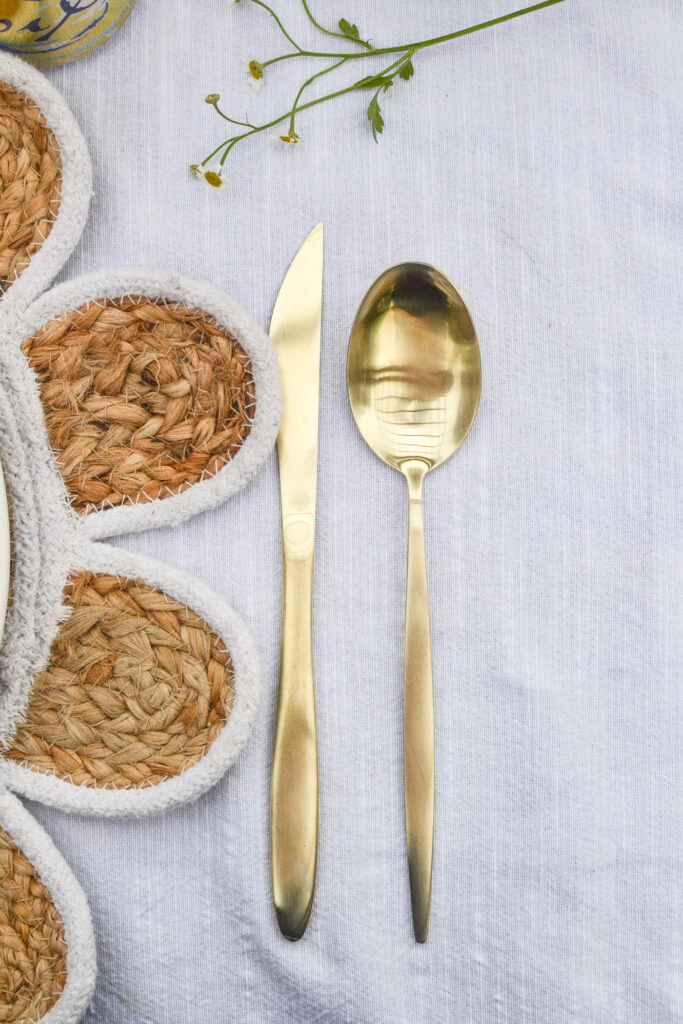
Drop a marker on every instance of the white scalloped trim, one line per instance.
(44, 533)
(114, 284)
(76, 182)
(81, 964)
(50, 789)
(42, 522)
(50, 538)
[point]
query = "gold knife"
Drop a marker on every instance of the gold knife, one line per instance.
(295, 332)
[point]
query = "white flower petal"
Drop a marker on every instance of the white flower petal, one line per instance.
(255, 83)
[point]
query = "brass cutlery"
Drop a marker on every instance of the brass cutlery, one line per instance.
(295, 330)
(414, 380)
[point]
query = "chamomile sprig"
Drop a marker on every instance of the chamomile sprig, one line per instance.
(401, 67)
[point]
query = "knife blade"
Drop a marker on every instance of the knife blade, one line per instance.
(295, 330)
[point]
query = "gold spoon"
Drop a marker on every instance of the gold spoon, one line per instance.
(414, 379)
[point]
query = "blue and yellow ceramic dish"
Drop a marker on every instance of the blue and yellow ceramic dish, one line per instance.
(55, 31)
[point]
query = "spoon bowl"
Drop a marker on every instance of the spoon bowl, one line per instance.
(413, 370)
(414, 380)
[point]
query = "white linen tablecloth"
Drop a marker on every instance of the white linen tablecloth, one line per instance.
(539, 166)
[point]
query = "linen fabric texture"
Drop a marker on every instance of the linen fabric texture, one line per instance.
(538, 165)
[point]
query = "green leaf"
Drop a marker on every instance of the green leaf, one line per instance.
(406, 70)
(375, 118)
(349, 30)
(375, 82)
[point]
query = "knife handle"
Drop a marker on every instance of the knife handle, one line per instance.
(418, 713)
(294, 786)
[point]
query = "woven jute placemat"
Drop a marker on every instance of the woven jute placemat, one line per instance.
(32, 943)
(137, 688)
(30, 182)
(142, 398)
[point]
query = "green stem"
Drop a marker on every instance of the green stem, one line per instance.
(332, 67)
(330, 32)
(395, 63)
(233, 142)
(321, 53)
(282, 28)
(402, 47)
(285, 56)
(276, 120)
(308, 81)
(483, 24)
(461, 32)
(229, 143)
(244, 124)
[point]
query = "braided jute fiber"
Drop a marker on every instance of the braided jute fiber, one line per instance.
(142, 398)
(32, 946)
(136, 690)
(30, 182)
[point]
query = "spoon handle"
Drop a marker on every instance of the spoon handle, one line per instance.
(418, 712)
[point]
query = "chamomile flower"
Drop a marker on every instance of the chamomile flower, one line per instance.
(214, 179)
(213, 175)
(254, 72)
(291, 138)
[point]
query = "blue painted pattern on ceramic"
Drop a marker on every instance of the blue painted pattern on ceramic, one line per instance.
(51, 31)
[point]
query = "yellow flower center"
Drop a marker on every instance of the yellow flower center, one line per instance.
(213, 179)
(255, 69)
